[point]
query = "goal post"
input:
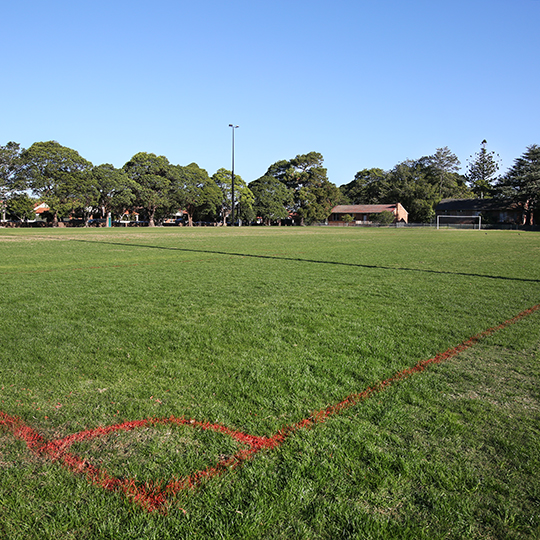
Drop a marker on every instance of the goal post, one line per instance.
(474, 219)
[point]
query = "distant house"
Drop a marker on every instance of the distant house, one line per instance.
(362, 214)
(39, 209)
(491, 210)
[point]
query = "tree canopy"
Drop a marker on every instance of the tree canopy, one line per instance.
(243, 196)
(445, 166)
(58, 175)
(188, 188)
(154, 188)
(20, 207)
(152, 176)
(482, 171)
(10, 181)
(115, 190)
(522, 183)
(314, 195)
(272, 199)
(368, 187)
(419, 185)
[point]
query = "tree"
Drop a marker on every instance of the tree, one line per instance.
(314, 195)
(410, 184)
(84, 196)
(445, 166)
(209, 204)
(245, 212)
(115, 190)
(368, 187)
(305, 170)
(10, 162)
(187, 187)
(521, 184)
(152, 176)
(316, 201)
(57, 175)
(272, 199)
(418, 185)
(20, 207)
(482, 170)
(223, 179)
(384, 218)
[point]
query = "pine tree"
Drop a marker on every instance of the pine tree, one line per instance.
(482, 171)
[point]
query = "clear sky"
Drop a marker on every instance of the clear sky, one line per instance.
(367, 83)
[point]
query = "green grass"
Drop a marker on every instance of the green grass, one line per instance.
(255, 328)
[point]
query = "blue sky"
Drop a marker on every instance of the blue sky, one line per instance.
(365, 83)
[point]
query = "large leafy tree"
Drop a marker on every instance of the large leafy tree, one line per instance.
(272, 199)
(188, 188)
(20, 207)
(444, 165)
(152, 176)
(209, 203)
(482, 171)
(418, 184)
(368, 187)
(85, 196)
(115, 190)
(411, 185)
(521, 183)
(314, 195)
(10, 182)
(245, 212)
(243, 196)
(57, 175)
(316, 201)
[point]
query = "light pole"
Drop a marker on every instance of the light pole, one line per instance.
(232, 173)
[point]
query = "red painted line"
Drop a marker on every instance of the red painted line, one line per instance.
(155, 495)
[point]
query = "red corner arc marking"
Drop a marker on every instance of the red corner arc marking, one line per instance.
(155, 496)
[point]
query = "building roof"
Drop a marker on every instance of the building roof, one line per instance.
(363, 208)
(41, 207)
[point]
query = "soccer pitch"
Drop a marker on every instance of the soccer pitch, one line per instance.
(173, 383)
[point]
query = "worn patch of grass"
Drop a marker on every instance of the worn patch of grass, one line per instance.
(158, 453)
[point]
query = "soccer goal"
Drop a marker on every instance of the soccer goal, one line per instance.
(458, 222)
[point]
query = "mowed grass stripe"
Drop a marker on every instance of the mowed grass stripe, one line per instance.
(271, 353)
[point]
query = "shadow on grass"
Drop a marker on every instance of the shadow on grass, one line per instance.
(297, 259)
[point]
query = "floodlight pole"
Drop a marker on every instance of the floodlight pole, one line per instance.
(232, 173)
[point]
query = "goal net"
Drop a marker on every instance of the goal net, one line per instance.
(459, 222)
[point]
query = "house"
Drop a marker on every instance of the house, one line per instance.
(362, 214)
(491, 210)
(39, 209)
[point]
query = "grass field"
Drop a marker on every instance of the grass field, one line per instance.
(254, 329)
